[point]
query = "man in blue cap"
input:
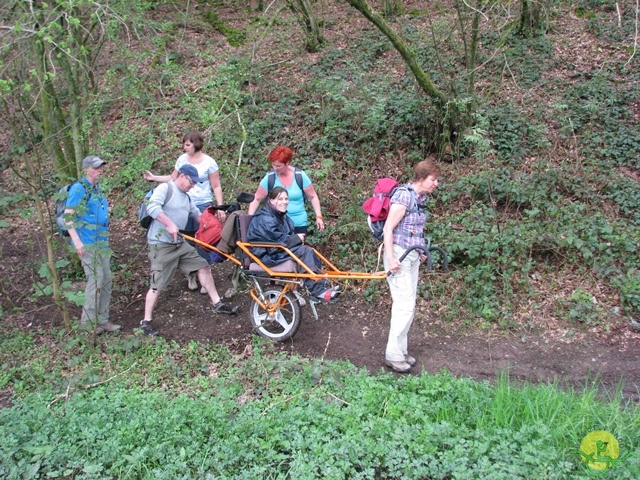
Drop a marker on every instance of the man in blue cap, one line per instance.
(170, 208)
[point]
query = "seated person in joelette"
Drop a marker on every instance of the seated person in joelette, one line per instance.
(271, 224)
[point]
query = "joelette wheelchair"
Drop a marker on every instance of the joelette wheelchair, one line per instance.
(278, 292)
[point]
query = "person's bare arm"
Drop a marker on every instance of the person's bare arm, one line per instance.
(259, 196)
(396, 214)
(147, 175)
(75, 238)
(313, 197)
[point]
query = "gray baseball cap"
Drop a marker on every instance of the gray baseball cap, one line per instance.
(92, 161)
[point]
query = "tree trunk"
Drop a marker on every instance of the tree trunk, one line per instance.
(56, 137)
(308, 19)
(392, 7)
(531, 19)
(470, 46)
(33, 177)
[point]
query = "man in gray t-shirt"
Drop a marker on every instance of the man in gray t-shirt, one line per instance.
(168, 251)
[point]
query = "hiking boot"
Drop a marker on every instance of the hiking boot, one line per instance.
(147, 328)
(87, 327)
(221, 307)
(410, 360)
(110, 327)
(193, 281)
(400, 367)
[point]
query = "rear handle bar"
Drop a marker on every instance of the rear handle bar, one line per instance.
(426, 250)
(242, 197)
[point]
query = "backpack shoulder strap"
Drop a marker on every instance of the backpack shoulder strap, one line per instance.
(413, 202)
(86, 195)
(297, 173)
(167, 197)
(271, 180)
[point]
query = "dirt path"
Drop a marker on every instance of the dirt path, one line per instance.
(350, 330)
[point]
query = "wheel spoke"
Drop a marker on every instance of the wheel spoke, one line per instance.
(282, 321)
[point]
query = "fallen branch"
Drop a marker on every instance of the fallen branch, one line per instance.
(86, 387)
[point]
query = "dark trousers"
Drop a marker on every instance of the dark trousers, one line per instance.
(316, 287)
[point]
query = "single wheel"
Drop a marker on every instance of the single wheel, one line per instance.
(286, 320)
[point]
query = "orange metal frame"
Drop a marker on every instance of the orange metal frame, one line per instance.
(329, 270)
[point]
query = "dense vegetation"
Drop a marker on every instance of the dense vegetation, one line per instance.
(541, 187)
(135, 408)
(538, 210)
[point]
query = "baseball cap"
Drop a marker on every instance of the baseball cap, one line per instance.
(191, 172)
(92, 161)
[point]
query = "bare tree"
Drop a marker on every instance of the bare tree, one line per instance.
(454, 111)
(49, 97)
(305, 11)
(49, 72)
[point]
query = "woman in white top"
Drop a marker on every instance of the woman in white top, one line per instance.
(202, 192)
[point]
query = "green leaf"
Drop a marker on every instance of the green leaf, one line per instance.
(43, 450)
(93, 468)
(44, 271)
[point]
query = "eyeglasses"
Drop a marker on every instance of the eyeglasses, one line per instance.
(191, 182)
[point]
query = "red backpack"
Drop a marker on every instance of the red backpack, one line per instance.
(377, 207)
(210, 230)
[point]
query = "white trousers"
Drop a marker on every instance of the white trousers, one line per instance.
(403, 285)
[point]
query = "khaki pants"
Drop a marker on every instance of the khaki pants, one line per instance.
(403, 286)
(166, 258)
(97, 294)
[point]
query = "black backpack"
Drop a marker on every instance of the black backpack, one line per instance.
(61, 205)
(297, 174)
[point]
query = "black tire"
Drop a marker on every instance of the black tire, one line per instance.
(288, 316)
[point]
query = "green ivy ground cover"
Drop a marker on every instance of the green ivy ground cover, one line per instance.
(158, 413)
